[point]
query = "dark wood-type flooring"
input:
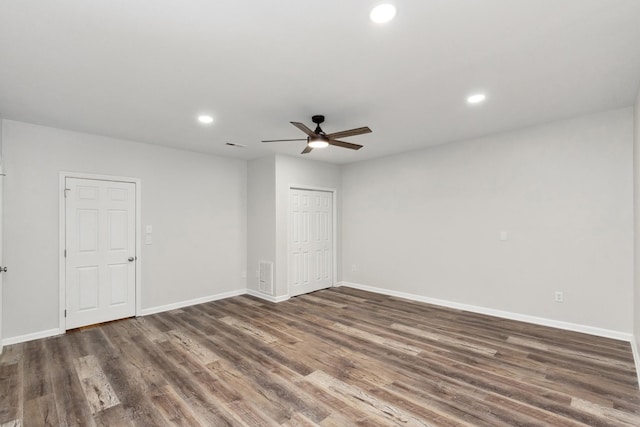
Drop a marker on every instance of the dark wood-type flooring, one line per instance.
(336, 357)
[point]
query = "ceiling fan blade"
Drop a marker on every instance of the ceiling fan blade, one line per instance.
(284, 140)
(350, 132)
(344, 144)
(306, 150)
(303, 128)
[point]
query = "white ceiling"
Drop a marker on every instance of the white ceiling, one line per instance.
(143, 70)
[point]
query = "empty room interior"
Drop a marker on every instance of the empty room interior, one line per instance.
(249, 213)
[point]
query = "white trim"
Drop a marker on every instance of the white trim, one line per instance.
(62, 217)
(266, 297)
(62, 276)
(182, 304)
(591, 330)
(636, 357)
(143, 312)
(33, 336)
(312, 188)
(334, 202)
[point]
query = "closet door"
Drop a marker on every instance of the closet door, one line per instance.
(310, 241)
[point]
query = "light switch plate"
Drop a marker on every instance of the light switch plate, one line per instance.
(148, 229)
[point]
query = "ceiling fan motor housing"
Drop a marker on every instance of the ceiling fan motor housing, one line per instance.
(317, 119)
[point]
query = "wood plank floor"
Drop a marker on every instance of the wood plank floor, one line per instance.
(336, 357)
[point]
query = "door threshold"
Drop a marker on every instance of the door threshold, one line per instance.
(96, 325)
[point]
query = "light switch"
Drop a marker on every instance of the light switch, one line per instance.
(148, 229)
(148, 239)
(503, 235)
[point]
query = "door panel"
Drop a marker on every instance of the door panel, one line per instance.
(100, 239)
(118, 282)
(311, 241)
(87, 288)
(88, 230)
(299, 258)
(1, 224)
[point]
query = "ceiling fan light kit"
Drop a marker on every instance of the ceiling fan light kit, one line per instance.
(319, 139)
(318, 142)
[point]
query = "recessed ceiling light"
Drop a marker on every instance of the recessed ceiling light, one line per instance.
(205, 119)
(383, 13)
(476, 98)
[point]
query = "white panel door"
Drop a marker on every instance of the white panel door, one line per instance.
(100, 251)
(310, 241)
(2, 266)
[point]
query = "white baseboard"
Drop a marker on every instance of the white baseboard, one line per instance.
(151, 310)
(266, 297)
(414, 297)
(182, 304)
(31, 337)
(591, 330)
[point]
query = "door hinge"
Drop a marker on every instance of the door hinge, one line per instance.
(65, 312)
(65, 192)
(65, 253)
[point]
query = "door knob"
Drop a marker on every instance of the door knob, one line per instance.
(3, 269)
(131, 259)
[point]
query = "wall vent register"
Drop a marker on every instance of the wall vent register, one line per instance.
(266, 277)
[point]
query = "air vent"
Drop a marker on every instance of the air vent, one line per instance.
(266, 277)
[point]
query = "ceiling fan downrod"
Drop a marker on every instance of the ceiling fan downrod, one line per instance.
(317, 119)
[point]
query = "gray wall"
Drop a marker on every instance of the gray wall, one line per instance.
(425, 222)
(195, 202)
(261, 216)
(293, 171)
(269, 180)
(428, 222)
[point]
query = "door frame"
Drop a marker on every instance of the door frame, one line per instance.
(334, 231)
(62, 279)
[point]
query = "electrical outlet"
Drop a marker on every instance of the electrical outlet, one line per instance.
(243, 275)
(354, 268)
(559, 296)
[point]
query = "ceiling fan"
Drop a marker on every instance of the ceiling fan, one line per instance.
(319, 139)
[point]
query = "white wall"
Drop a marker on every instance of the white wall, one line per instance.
(195, 202)
(294, 171)
(428, 222)
(261, 216)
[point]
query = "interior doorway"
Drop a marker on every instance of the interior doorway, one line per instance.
(100, 252)
(311, 240)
